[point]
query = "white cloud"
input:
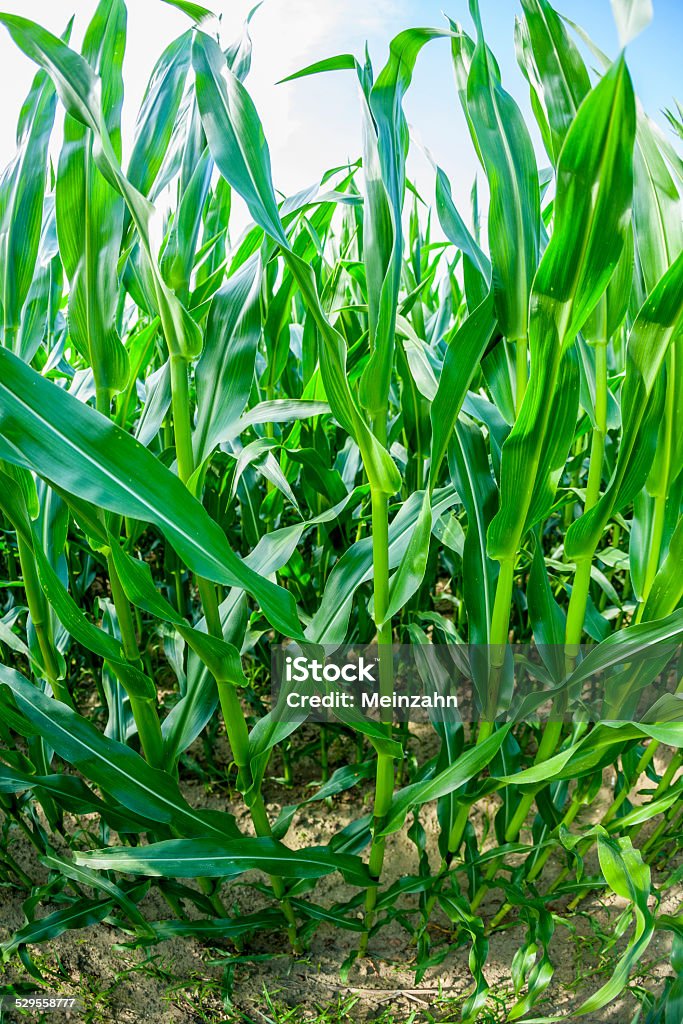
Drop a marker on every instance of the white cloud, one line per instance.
(310, 125)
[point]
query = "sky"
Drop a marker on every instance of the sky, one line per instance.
(314, 124)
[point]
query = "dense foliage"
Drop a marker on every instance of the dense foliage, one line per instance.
(344, 425)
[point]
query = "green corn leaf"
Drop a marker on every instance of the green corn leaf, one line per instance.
(456, 775)
(73, 795)
(478, 278)
(14, 641)
(385, 151)
(386, 100)
(341, 780)
(90, 211)
(462, 54)
(212, 858)
(631, 16)
(629, 877)
(80, 90)
(280, 410)
(194, 11)
(667, 589)
(594, 193)
(629, 643)
(653, 331)
(457, 909)
(381, 250)
(96, 881)
(596, 750)
(158, 113)
(225, 371)
(557, 75)
(235, 135)
(559, 437)
(648, 810)
(221, 658)
(22, 190)
(40, 419)
(342, 62)
(471, 476)
(575, 270)
(657, 208)
(178, 257)
(547, 618)
(514, 214)
(330, 622)
(465, 350)
(412, 567)
(40, 313)
(240, 151)
(270, 920)
(526, 970)
(81, 914)
(115, 768)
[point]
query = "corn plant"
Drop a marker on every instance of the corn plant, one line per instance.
(344, 425)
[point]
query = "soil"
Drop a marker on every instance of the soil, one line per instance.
(185, 980)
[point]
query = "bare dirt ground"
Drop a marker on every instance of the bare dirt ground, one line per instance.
(184, 980)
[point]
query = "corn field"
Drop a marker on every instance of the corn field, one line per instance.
(366, 419)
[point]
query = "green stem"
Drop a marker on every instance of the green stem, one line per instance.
(583, 847)
(144, 711)
(500, 629)
(656, 538)
(149, 730)
(570, 814)
(540, 861)
(664, 783)
(103, 401)
(238, 736)
(182, 424)
(324, 760)
(667, 822)
(576, 613)
(661, 489)
(645, 760)
(384, 783)
(578, 601)
(500, 618)
(124, 614)
(233, 715)
(39, 613)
